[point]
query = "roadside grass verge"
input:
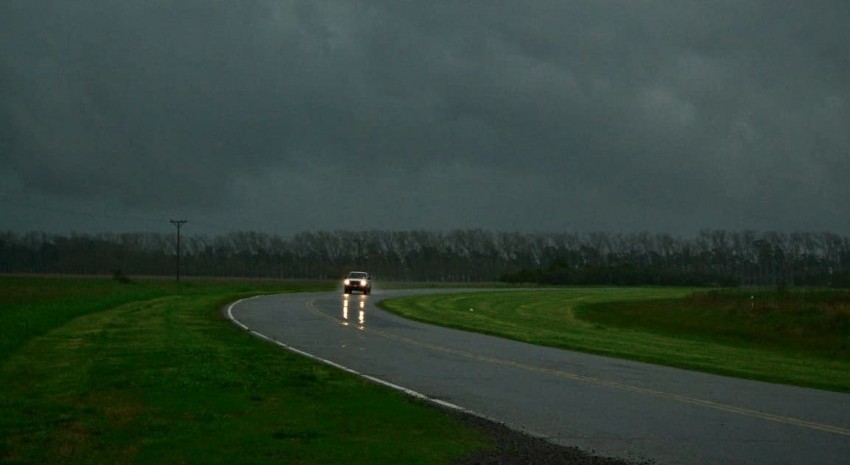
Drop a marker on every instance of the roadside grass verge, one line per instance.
(31, 306)
(815, 322)
(798, 341)
(152, 373)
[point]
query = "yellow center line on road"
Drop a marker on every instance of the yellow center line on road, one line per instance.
(311, 305)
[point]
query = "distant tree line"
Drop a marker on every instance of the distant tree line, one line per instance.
(713, 257)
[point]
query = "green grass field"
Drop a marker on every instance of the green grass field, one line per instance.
(94, 371)
(800, 338)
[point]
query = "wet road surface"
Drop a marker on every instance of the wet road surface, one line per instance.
(614, 407)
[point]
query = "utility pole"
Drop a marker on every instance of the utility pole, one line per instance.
(178, 223)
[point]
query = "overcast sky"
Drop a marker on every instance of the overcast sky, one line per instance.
(284, 116)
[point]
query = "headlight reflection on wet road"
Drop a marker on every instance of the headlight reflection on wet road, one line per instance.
(361, 311)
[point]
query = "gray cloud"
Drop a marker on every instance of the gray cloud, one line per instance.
(532, 115)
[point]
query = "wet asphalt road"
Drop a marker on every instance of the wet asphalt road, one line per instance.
(613, 407)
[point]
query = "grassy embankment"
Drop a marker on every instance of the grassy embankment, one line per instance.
(94, 371)
(799, 337)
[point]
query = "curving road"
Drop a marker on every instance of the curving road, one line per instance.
(612, 407)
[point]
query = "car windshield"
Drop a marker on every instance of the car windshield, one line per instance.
(358, 275)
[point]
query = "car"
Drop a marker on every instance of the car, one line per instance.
(357, 281)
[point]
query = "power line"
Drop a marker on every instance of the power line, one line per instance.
(73, 211)
(112, 217)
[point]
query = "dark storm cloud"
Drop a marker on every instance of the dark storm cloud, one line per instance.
(633, 115)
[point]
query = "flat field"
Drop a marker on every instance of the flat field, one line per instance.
(799, 337)
(95, 371)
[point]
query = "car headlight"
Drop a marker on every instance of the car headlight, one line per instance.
(362, 282)
(346, 282)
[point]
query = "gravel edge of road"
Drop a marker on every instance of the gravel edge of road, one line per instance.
(517, 448)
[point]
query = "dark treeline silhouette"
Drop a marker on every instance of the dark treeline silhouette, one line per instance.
(714, 257)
